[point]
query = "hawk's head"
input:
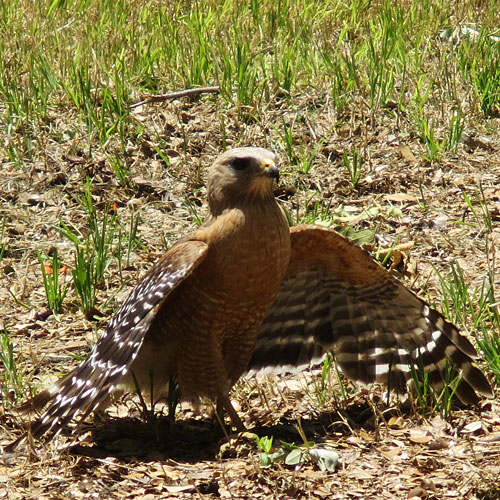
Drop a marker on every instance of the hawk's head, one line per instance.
(241, 175)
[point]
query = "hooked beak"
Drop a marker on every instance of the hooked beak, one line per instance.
(271, 170)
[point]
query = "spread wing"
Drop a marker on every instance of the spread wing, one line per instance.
(87, 386)
(336, 298)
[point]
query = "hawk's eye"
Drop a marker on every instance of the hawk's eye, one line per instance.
(240, 163)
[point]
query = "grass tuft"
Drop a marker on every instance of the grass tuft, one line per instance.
(55, 291)
(12, 380)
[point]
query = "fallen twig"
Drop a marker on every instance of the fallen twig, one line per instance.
(177, 95)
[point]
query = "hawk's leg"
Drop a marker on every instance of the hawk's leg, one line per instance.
(224, 403)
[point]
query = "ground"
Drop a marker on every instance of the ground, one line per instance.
(438, 211)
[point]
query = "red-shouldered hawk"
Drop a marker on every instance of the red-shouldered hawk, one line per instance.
(245, 293)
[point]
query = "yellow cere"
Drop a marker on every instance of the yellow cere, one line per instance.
(268, 162)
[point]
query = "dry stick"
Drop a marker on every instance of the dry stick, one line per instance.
(178, 95)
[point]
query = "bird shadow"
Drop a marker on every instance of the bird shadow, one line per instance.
(196, 440)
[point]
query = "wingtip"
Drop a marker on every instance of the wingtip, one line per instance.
(12, 447)
(36, 403)
(478, 381)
